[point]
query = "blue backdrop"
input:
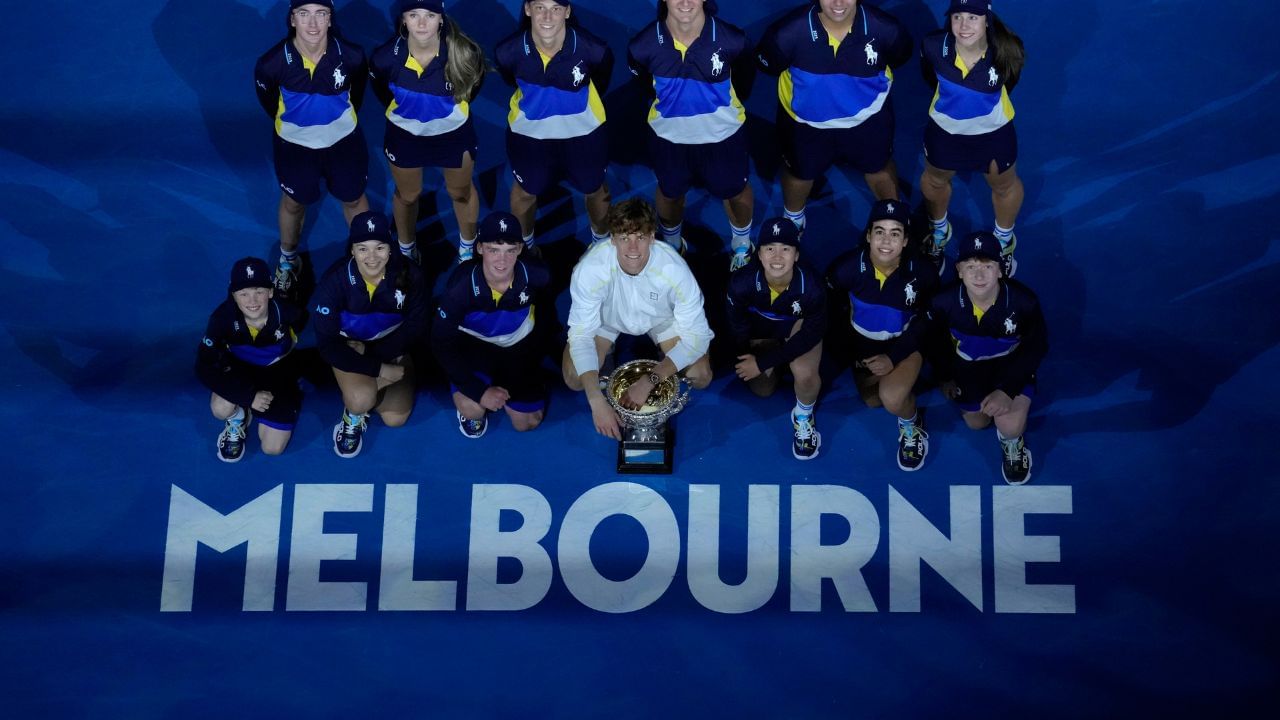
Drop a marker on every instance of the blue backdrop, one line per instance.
(135, 168)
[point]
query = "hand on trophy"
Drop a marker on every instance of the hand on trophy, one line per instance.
(604, 417)
(637, 396)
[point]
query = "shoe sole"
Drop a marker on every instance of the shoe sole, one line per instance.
(1024, 480)
(359, 447)
(817, 447)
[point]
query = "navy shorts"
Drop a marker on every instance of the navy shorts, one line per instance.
(281, 380)
(976, 380)
(539, 164)
(808, 152)
(970, 153)
(344, 166)
(722, 168)
(517, 369)
(406, 150)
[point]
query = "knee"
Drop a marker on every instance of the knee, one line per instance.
(894, 399)
(407, 197)
(698, 375)
(359, 401)
(394, 419)
(976, 420)
(272, 448)
(291, 206)
(221, 407)
(460, 194)
(525, 423)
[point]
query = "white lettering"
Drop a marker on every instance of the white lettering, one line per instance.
(811, 561)
(762, 549)
(913, 539)
(1012, 549)
(488, 544)
(397, 590)
(310, 544)
(191, 523)
(574, 548)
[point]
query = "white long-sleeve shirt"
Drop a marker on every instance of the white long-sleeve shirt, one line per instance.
(664, 293)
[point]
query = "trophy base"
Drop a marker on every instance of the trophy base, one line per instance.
(647, 457)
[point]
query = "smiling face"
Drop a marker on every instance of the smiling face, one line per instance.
(547, 20)
(633, 251)
(778, 261)
(840, 11)
(981, 278)
(499, 261)
(371, 258)
(970, 31)
(685, 12)
(252, 302)
(311, 23)
(886, 238)
(423, 26)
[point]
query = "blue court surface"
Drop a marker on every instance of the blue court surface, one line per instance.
(518, 575)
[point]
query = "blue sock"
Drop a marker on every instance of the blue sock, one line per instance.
(795, 217)
(939, 224)
(237, 416)
(741, 236)
(1004, 235)
(599, 238)
(672, 233)
(528, 240)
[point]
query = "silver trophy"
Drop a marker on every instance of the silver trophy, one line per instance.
(647, 440)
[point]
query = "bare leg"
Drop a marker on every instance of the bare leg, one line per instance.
(525, 207)
(404, 203)
(1006, 194)
(597, 207)
(290, 216)
(795, 192)
(935, 185)
(884, 182)
(460, 184)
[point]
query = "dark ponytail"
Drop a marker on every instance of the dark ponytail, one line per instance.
(1007, 50)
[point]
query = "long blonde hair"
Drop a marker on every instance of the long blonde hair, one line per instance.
(466, 66)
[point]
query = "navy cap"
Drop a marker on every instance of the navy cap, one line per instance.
(981, 244)
(500, 227)
(435, 6)
(369, 225)
(778, 230)
(249, 272)
(973, 7)
(895, 210)
(295, 4)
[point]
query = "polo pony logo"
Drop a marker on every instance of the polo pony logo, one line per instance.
(992, 77)
(910, 293)
(502, 225)
(889, 208)
(873, 57)
(776, 230)
(399, 299)
(578, 77)
(338, 78)
(717, 65)
(248, 272)
(369, 224)
(1010, 327)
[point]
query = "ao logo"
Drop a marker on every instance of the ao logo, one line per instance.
(322, 310)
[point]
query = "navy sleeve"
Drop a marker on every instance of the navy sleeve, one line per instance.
(414, 325)
(916, 334)
(267, 88)
(328, 303)
(447, 339)
(380, 78)
(504, 62)
(638, 66)
(900, 51)
(1031, 350)
(926, 67)
(602, 71)
(215, 372)
(939, 346)
(359, 78)
(804, 339)
(737, 308)
(743, 70)
(769, 56)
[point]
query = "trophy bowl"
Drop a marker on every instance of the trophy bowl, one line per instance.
(665, 400)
